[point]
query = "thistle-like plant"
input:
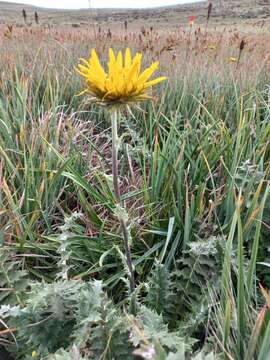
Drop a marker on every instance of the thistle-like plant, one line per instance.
(123, 84)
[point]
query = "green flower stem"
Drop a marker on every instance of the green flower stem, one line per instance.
(115, 147)
(121, 214)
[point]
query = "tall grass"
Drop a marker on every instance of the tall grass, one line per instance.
(195, 164)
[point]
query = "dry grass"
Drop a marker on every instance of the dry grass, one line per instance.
(50, 55)
(209, 52)
(187, 159)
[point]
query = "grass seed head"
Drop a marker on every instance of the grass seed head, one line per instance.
(24, 16)
(209, 10)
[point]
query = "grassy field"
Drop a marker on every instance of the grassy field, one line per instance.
(194, 181)
(251, 14)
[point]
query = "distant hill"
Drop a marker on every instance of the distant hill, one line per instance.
(224, 11)
(244, 8)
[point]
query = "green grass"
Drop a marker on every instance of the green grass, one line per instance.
(194, 167)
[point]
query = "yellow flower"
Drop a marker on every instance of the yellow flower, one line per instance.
(34, 354)
(124, 82)
(232, 59)
(212, 47)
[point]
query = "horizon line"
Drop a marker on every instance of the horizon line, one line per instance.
(102, 8)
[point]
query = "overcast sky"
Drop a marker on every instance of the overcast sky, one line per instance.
(75, 4)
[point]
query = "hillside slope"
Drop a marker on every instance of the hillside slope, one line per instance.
(224, 11)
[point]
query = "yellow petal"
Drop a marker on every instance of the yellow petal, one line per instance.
(138, 90)
(148, 73)
(84, 69)
(128, 59)
(93, 80)
(94, 61)
(111, 56)
(154, 82)
(138, 60)
(85, 62)
(132, 75)
(120, 59)
(109, 86)
(92, 76)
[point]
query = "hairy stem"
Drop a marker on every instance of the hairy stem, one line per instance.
(123, 221)
(115, 147)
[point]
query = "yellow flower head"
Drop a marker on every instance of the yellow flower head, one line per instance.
(232, 59)
(123, 83)
(34, 354)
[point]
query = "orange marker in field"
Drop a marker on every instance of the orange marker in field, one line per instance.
(192, 20)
